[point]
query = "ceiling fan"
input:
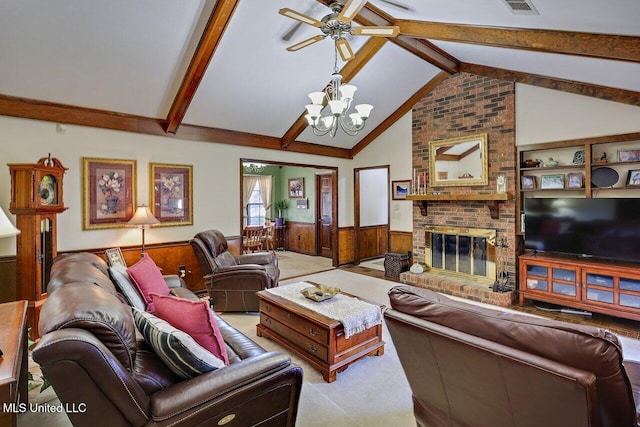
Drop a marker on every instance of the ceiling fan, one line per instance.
(336, 25)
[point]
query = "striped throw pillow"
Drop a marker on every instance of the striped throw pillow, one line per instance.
(182, 355)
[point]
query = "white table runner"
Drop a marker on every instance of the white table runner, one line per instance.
(354, 314)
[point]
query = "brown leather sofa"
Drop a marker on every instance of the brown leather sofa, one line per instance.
(106, 375)
(469, 365)
(232, 281)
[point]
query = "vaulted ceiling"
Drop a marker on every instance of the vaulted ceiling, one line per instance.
(218, 71)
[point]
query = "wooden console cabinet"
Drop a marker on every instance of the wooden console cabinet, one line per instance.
(602, 286)
(13, 363)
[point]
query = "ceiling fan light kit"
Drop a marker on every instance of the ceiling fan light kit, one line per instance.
(337, 96)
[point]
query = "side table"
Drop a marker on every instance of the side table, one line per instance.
(281, 237)
(13, 363)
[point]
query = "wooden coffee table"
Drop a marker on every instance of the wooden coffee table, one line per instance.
(316, 338)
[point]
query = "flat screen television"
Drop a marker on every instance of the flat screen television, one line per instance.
(601, 228)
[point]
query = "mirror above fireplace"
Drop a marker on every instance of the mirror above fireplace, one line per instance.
(458, 161)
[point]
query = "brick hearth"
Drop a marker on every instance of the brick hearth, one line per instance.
(459, 287)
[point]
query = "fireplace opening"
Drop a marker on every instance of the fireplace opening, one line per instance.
(462, 251)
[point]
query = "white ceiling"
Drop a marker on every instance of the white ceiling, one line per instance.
(130, 57)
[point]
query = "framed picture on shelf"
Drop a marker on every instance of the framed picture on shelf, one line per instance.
(575, 180)
(114, 256)
(552, 182)
(629, 155)
(108, 192)
(633, 178)
(400, 189)
(296, 188)
(171, 193)
(528, 182)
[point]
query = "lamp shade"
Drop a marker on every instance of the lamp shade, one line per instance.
(7, 229)
(142, 217)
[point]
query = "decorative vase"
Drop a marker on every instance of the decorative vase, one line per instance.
(279, 222)
(174, 205)
(112, 204)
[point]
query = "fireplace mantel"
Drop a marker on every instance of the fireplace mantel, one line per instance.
(492, 199)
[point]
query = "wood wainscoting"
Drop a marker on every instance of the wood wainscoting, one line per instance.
(400, 242)
(346, 242)
(301, 237)
(8, 278)
(373, 241)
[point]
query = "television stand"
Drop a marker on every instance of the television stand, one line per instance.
(590, 284)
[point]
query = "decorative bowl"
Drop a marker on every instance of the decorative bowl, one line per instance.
(319, 292)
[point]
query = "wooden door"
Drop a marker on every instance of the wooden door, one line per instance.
(325, 215)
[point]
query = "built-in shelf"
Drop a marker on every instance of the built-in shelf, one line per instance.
(492, 199)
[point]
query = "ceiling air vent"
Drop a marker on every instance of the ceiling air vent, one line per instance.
(521, 7)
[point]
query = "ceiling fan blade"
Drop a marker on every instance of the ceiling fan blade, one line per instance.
(350, 10)
(305, 43)
(380, 31)
(344, 49)
(290, 13)
(289, 34)
(398, 5)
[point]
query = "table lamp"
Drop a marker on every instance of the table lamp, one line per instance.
(143, 218)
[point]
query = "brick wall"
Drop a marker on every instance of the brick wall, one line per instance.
(464, 105)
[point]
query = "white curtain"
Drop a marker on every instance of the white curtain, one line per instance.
(265, 191)
(249, 183)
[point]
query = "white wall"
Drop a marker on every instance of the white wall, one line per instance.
(216, 180)
(544, 115)
(374, 196)
(393, 148)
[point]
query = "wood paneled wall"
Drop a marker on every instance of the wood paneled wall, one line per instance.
(301, 237)
(346, 246)
(400, 241)
(7, 279)
(373, 241)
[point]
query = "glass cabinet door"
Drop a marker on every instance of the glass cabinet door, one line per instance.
(599, 288)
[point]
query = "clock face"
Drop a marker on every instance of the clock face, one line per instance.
(48, 191)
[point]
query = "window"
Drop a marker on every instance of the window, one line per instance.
(256, 211)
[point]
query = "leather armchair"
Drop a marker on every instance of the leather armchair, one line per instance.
(232, 281)
(476, 366)
(105, 374)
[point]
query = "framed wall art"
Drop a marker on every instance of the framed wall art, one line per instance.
(633, 178)
(296, 188)
(576, 180)
(114, 256)
(400, 189)
(528, 182)
(552, 182)
(629, 155)
(109, 192)
(171, 193)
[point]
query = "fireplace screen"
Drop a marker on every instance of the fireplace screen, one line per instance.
(461, 251)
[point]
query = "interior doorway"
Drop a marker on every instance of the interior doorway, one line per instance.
(310, 218)
(371, 212)
(325, 214)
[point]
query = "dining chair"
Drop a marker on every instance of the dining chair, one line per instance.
(252, 238)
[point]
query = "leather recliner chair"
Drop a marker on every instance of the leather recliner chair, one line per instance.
(475, 366)
(232, 281)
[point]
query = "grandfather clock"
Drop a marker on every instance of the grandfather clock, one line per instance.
(36, 199)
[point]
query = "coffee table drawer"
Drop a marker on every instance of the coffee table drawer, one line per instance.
(300, 324)
(308, 345)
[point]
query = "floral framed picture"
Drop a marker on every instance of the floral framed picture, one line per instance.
(400, 189)
(296, 188)
(171, 193)
(109, 192)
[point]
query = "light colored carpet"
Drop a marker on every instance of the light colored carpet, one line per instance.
(371, 392)
(293, 264)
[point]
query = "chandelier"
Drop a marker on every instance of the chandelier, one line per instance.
(254, 167)
(339, 98)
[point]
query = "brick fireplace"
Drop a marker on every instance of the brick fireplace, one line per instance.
(465, 105)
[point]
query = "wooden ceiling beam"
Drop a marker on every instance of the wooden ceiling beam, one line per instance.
(595, 91)
(401, 111)
(211, 36)
(60, 113)
(605, 46)
(349, 70)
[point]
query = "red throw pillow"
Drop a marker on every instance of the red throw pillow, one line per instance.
(148, 279)
(194, 318)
